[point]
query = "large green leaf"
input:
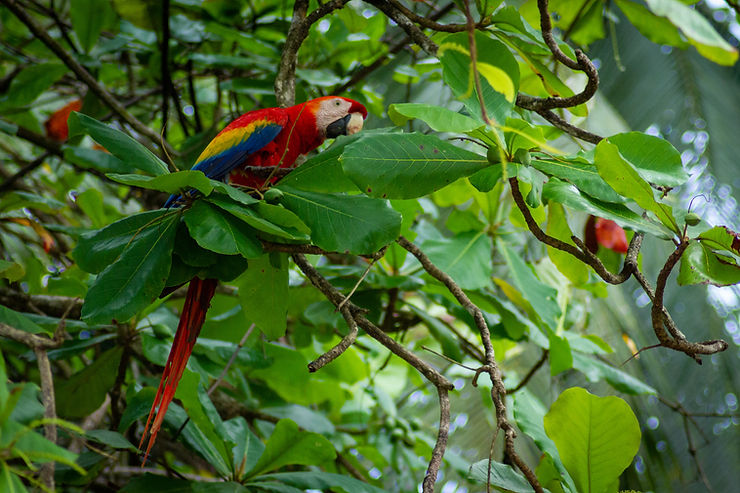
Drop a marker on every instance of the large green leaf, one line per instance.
(98, 249)
(85, 391)
(117, 143)
(596, 371)
(499, 74)
(10, 482)
(254, 218)
(721, 238)
(88, 19)
(700, 265)
(30, 83)
(557, 227)
(219, 231)
(92, 158)
(502, 476)
(542, 297)
(597, 437)
(320, 480)
(580, 173)
(406, 166)
(657, 29)
(439, 119)
(194, 399)
(529, 413)
(20, 442)
(170, 183)
(136, 279)
(568, 195)
(344, 223)
(263, 294)
(654, 159)
(465, 257)
(697, 29)
(20, 321)
(323, 172)
(623, 178)
(287, 446)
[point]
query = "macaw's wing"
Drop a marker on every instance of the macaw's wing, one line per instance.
(230, 148)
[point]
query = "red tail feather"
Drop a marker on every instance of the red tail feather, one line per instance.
(193, 315)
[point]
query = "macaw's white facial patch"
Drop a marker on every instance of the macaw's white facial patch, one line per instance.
(331, 110)
(355, 123)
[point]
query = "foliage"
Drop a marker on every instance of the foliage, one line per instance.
(485, 182)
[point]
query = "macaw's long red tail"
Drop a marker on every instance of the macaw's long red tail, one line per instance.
(193, 315)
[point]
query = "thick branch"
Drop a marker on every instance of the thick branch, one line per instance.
(50, 413)
(53, 306)
(297, 34)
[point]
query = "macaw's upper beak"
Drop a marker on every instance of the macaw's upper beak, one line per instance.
(350, 124)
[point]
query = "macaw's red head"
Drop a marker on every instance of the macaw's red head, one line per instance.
(335, 116)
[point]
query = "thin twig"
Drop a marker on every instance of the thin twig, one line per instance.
(342, 346)
(530, 373)
(234, 355)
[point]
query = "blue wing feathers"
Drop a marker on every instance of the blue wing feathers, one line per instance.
(230, 148)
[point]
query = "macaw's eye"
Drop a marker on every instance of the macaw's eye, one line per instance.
(337, 102)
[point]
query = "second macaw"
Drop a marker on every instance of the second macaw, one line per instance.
(270, 137)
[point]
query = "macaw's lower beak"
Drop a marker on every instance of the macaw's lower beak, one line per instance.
(350, 124)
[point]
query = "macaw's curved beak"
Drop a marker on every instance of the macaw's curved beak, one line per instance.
(350, 124)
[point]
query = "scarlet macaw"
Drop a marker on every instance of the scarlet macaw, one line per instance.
(270, 137)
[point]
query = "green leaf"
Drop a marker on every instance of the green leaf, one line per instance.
(502, 476)
(344, 223)
(136, 279)
(258, 222)
(96, 250)
(465, 257)
(597, 437)
(654, 159)
(288, 446)
(29, 445)
(657, 29)
(263, 294)
(580, 173)
(219, 231)
(499, 74)
(19, 321)
(542, 297)
(138, 405)
(561, 357)
(699, 31)
(94, 159)
(323, 172)
(194, 399)
(30, 83)
(721, 238)
(233, 192)
(111, 438)
(529, 413)
(568, 195)
(117, 143)
(557, 227)
(170, 183)
(85, 391)
(88, 19)
(18, 200)
(405, 166)
(10, 482)
(320, 480)
(91, 203)
(11, 271)
(596, 371)
(439, 119)
(700, 265)
(625, 180)
(147, 483)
